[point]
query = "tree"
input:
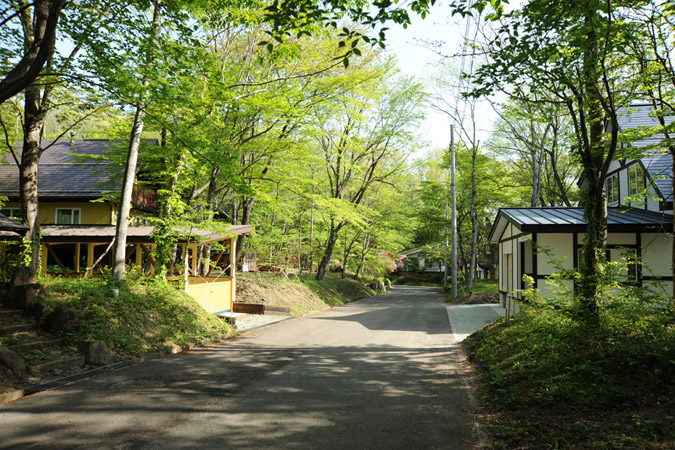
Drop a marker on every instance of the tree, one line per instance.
(120, 252)
(39, 40)
(363, 141)
(566, 51)
(651, 46)
(536, 138)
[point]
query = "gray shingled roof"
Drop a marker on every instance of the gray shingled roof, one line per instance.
(658, 165)
(571, 220)
(61, 176)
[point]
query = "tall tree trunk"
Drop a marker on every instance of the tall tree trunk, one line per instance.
(246, 210)
(536, 168)
(328, 252)
(595, 205)
(34, 119)
(161, 259)
(474, 223)
(119, 257)
(205, 250)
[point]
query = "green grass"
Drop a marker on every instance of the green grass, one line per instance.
(554, 382)
(336, 291)
(478, 287)
(146, 317)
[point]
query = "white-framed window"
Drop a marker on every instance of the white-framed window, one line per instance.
(11, 212)
(68, 216)
(612, 188)
(636, 179)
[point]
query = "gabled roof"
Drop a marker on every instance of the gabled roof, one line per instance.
(571, 220)
(657, 164)
(61, 176)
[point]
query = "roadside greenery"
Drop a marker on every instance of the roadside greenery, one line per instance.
(614, 378)
(147, 316)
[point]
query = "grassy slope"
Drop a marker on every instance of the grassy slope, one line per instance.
(148, 316)
(304, 294)
(551, 382)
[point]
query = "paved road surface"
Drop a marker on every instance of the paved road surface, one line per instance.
(380, 373)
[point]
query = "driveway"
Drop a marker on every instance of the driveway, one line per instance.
(381, 373)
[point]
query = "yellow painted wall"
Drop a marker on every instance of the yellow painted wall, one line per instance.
(214, 295)
(92, 213)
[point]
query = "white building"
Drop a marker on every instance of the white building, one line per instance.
(640, 222)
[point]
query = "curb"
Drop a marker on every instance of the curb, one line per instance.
(484, 439)
(73, 378)
(265, 325)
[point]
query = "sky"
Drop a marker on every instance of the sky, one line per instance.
(417, 60)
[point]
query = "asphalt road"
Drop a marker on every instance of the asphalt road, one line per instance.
(381, 373)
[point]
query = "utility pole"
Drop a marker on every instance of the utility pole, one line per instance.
(447, 244)
(453, 188)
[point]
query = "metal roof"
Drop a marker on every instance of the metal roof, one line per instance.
(571, 220)
(139, 234)
(656, 161)
(61, 175)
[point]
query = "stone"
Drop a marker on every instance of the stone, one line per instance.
(36, 310)
(374, 286)
(22, 276)
(57, 320)
(95, 352)
(12, 361)
(24, 295)
(387, 283)
(172, 348)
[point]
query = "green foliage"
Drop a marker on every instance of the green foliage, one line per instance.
(337, 291)
(144, 318)
(545, 360)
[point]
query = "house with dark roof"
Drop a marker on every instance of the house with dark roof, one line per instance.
(78, 188)
(71, 175)
(538, 242)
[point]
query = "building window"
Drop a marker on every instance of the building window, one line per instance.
(68, 216)
(11, 212)
(612, 188)
(636, 179)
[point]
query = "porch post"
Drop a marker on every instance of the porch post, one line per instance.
(233, 270)
(77, 258)
(43, 259)
(185, 269)
(139, 256)
(194, 260)
(90, 260)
